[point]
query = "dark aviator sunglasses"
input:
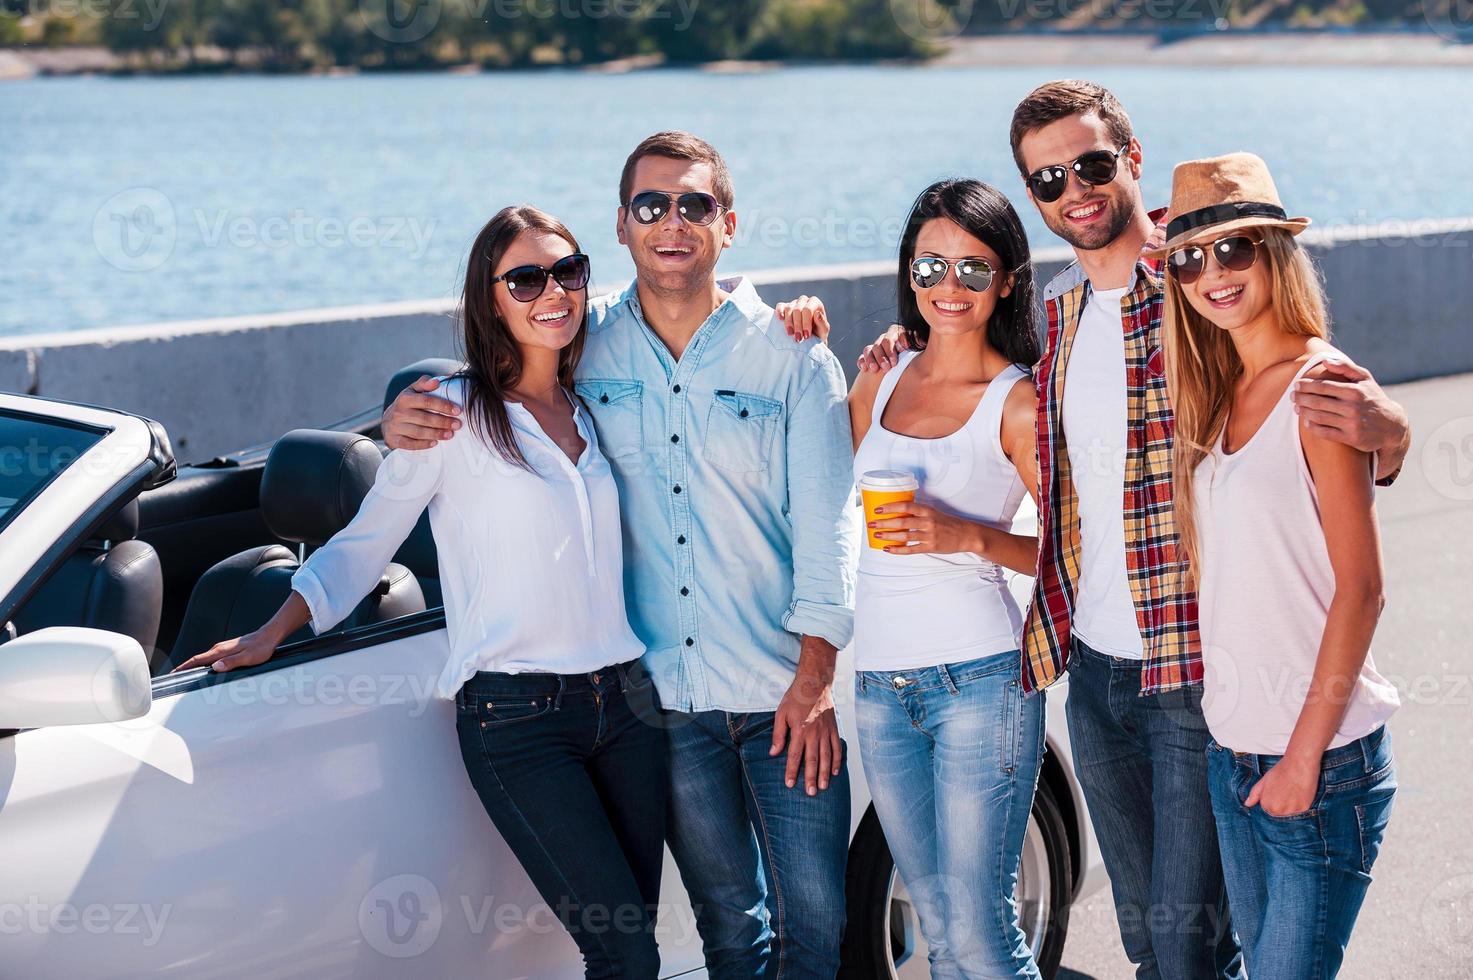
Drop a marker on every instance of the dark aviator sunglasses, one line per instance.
(1096, 168)
(650, 207)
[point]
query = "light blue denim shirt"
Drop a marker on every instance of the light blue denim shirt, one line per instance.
(736, 491)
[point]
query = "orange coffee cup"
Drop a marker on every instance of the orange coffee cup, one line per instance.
(878, 487)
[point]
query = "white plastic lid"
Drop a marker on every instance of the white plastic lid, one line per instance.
(888, 480)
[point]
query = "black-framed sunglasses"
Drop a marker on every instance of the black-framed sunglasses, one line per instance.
(527, 282)
(930, 270)
(650, 207)
(1235, 252)
(1097, 167)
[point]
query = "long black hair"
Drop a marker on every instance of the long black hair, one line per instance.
(983, 212)
(493, 358)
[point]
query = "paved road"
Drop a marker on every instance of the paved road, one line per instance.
(1418, 918)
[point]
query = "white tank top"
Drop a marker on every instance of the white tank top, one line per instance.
(1265, 591)
(914, 611)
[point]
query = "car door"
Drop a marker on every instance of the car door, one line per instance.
(307, 817)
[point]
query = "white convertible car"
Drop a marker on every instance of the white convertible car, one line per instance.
(309, 817)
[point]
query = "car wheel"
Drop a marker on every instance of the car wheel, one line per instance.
(883, 940)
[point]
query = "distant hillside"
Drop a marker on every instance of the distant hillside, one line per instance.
(325, 35)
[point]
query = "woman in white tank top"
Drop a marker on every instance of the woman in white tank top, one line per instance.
(1278, 525)
(951, 746)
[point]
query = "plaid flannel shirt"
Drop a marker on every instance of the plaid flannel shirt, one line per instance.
(1165, 612)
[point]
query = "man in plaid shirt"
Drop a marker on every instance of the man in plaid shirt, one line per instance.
(1108, 603)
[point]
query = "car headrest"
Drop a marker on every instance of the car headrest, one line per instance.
(314, 481)
(404, 377)
(122, 526)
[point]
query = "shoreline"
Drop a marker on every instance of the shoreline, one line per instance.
(1368, 47)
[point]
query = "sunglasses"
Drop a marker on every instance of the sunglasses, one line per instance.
(527, 282)
(649, 207)
(1097, 167)
(928, 271)
(1235, 252)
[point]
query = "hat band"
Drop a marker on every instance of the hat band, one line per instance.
(1218, 213)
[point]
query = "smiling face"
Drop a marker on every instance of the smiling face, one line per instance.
(1227, 298)
(1086, 216)
(551, 320)
(949, 307)
(672, 255)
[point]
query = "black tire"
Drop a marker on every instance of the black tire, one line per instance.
(869, 945)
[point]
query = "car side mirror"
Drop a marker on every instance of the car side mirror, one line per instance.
(72, 675)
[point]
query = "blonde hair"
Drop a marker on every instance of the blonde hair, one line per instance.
(1202, 367)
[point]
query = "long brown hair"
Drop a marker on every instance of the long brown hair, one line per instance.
(1202, 368)
(493, 358)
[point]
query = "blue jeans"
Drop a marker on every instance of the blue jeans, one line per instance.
(1297, 882)
(763, 864)
(952, 754)
(1142, 763)
(572, 770)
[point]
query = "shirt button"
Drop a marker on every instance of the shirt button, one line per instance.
(675, 438)
(604, 399)
(676, 389)
(743, 413)
(684, 590)
(677, 488)
(680, 540)
(689, 642)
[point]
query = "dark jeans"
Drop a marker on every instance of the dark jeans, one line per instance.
(575, 780)
(1297, 881)
(764, 864)
(1142, 763)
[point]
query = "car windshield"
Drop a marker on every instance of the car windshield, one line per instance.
(33, 451)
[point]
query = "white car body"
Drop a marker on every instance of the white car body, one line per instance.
(311, 817)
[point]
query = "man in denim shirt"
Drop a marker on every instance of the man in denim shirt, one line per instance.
(731, 447)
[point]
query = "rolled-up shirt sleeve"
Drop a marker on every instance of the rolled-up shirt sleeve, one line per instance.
(821, 502)
(337, 576)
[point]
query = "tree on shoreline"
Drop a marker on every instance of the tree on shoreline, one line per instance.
(308, 35)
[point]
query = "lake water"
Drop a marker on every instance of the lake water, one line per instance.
(127, 201)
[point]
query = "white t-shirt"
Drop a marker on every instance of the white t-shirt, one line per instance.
(1095, 422)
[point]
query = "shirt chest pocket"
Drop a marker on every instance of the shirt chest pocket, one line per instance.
(740, 431)
(618, 414)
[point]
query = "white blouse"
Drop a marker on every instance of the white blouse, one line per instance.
(531, 564)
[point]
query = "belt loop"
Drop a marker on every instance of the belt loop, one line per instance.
(623, 671)
(1367, 752)
(946, 678)
(562, 685)
(860, 675)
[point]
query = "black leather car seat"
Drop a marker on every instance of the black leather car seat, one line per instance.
(112, 582)
(312, 486)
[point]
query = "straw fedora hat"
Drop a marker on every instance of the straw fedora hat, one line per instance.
(1219, 195)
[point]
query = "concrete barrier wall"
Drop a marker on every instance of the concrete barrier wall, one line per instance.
(1400, 295)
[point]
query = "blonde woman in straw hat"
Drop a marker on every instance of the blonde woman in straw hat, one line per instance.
(1278, 531)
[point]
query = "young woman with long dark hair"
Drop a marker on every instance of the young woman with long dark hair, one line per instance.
(542, 661)
(951, 747)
